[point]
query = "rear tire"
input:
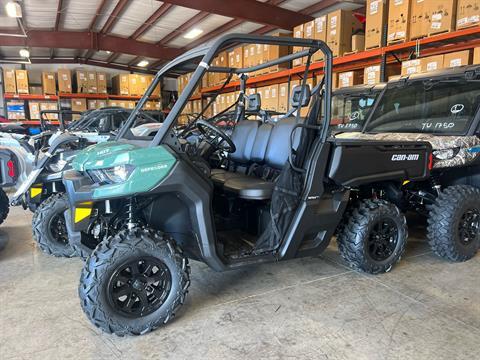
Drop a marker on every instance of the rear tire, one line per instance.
(49, 227)
(125, 265)
(454, 223)
(4, 206)
(374, 236)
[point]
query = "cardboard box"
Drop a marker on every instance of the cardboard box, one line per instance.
(9, 81)
(468, 13)
(92, 82)
(22, 81)
(134, 85)
(419, 19)
(410, 67)
(235, 58)
(282, 98)
(476, 56)
(82, 81)
(458, 58)
(143, 82)
(34, 110)
(101, 82)
(92, 104)
(64, 81)
(371, 75)
(441, 15)
(15, 109)
(376, 18)
(431, 63)
(120, 85)
(320, 33)
(340, 27)
(350, 78)
(398, 20)
(273, 52)
(297, 33)
(49, 84)
(45, 106)
(358, 42)
(79, 104)
(273, 102)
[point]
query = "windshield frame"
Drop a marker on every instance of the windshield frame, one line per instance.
(207, 54)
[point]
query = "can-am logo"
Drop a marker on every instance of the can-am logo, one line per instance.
(457, 108)
(405, 157)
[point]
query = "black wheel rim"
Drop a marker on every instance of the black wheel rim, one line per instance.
(383, 239)
(58, 229)
(139, 287)
(468, 226)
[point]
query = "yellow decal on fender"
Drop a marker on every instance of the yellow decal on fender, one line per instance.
(83, 211)
(35, 191)
(405, 182)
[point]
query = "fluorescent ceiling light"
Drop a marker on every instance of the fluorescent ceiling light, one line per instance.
(13, 9)
(24, 53)
(192, 34)
(143, 63)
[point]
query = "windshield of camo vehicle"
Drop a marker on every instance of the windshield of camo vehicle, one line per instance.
(440, 107)
(350, 111)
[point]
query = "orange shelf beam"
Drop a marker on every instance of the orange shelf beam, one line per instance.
(30, 97)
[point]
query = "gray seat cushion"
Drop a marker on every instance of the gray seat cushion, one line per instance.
(219, 176)
(250, 188)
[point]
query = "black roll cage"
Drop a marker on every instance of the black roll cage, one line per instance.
(207, 54)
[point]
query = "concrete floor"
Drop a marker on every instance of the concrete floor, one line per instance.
(312, 308)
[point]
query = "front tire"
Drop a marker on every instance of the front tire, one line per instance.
(134, 282)
(4, 206)
(454, 223)
(374, 237)
(49, 226)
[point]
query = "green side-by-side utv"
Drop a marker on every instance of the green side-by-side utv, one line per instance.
(146, 206)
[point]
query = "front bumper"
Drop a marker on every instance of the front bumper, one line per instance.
(79, 189)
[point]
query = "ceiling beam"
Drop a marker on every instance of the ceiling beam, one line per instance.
(184, 27)
(91, 40)
(161, 11)
(114, 16)
(248, 10)
(99, 11)
(59, 15)
(218, 31)
(112, 57)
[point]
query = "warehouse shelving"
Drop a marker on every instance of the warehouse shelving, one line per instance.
(433, 45)
(73, 96)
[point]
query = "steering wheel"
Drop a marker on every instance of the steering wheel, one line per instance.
(216, 137)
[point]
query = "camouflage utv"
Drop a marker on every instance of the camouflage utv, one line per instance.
(442, 108)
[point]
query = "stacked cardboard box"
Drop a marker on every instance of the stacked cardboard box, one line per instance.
(376, 18)
(120, 85)
(16, 110)
(341, 25)
(372, 74)
(9, 81)
(431, 63)
(64, 81)
(458, 58)
(411, 67)
(96, 104)
(45, 106)
(476, 56)
(81, 81)
(350, 78)
(22, 81)
(398, 20)
(49, 84)
(468, 13)
(101, 83)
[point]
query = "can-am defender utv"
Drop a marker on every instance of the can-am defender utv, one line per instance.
(442, 108)
(41, 189)
(282, 196)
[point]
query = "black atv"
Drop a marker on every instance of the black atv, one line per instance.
(281, 194)
(442, 108)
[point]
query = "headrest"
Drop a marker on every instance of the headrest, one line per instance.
(254, 103)
(297, 90)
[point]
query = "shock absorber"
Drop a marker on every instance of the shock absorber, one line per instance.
(130, 216)
(435, 183)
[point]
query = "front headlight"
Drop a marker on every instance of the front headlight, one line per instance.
(113, 175)
(446, 154)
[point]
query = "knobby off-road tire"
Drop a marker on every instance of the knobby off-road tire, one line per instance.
(110, 272)
(454, 223)
(4, 206)
(374, 237)
(49, 227)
